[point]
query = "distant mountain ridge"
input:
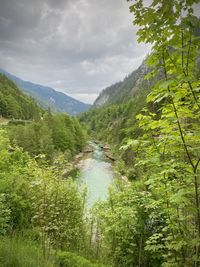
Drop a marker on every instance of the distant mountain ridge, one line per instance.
(48, 97)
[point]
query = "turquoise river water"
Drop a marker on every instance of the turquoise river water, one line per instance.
(96, 173)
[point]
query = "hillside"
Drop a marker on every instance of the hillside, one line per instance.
(48, 97)
(112, 118)
(126, 89)
(111, 122)
(14, 103)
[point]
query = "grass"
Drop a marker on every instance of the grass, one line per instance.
(68, 259)
(18, 253)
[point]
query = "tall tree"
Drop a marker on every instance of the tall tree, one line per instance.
(172, 153)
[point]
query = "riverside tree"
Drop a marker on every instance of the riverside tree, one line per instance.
(172, 140)
(38, 199)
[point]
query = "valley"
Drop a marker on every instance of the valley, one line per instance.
(48, 97)
(115, 184)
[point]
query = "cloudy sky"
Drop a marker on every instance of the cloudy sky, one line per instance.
(76, 46)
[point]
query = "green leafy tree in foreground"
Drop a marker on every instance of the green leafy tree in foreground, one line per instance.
(126, 221)
(169, 150)
(58, 211)
(38, 199)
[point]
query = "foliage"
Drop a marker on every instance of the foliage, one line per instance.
(58, 211)
(168, 155)
(123, 91)
(15, 252)
(115, 124)
(39, 197)
(156, 221)
(68, 259)
(51, 134)
(125, 222)
(4, 215)
(14, 103)
(153, 221)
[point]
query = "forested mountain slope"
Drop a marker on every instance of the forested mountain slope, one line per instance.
(112, 118)
(35, 130)
(114, 122)
(14, 103)
(48, 97)
(126, 89)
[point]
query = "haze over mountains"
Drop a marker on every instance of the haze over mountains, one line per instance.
(49, 97)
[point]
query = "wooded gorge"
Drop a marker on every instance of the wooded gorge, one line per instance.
(151, 121)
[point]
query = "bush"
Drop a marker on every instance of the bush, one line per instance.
(68, 259)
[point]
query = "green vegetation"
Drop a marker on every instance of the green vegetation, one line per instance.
(18, 253)
(152, 221)
(115, 124)
(122, 91)
(38, 204)
(35, 197)
(68, 259)
(155, 220)
(49, 136)
(14, 103)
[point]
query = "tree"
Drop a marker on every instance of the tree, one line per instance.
(34, 197)
(170, 156)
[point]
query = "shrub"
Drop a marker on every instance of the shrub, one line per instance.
(68, 259)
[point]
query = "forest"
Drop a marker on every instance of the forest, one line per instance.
(153, 220)
(14, 103)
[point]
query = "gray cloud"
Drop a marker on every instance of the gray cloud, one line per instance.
(76, 46)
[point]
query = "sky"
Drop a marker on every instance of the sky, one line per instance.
(78, 47)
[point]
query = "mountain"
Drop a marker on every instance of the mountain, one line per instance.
(14, 103)
(113, 113)
(112, 119)
(124, 90)
(49, 97)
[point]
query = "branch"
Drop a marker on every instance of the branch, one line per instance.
(177, 118)
(196, 165)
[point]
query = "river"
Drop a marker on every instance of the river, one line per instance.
(96, 173)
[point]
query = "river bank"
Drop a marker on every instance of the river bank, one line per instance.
(89, 149)
(97, 170)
